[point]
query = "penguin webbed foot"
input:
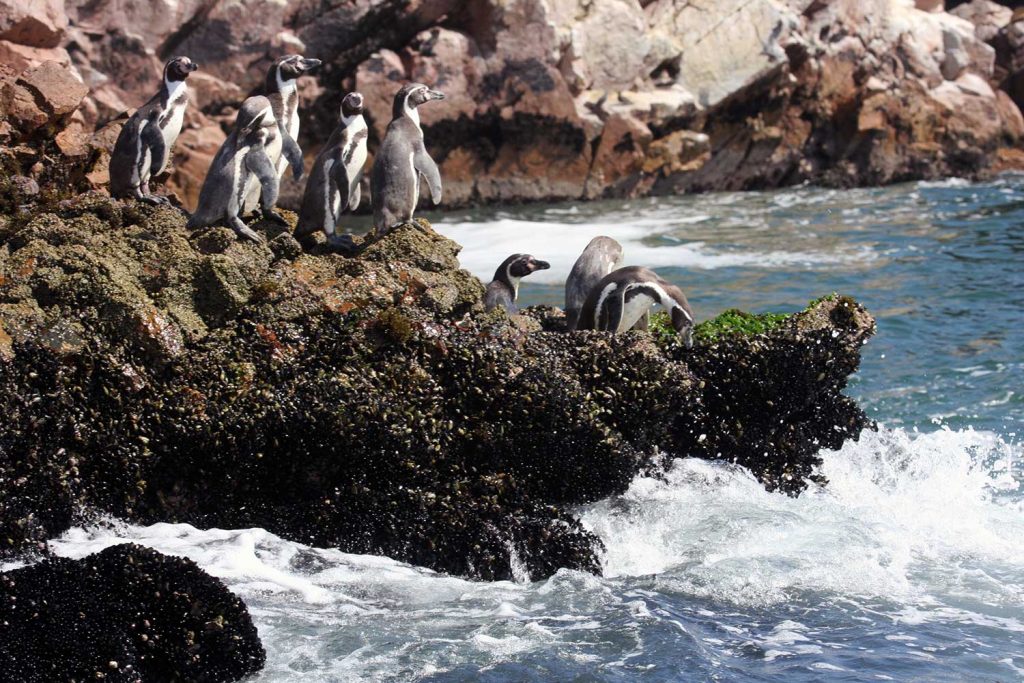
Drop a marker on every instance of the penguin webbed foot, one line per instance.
(274, 217)
(342, 244)
(245, 232)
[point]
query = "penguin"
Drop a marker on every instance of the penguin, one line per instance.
(240, 161)
(144, 145)
(401, 159)
(623, 296)
(504, 289)
(602, 256)
(333, 184)
(282, 91)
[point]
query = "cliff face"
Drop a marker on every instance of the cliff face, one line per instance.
(366, 403)
(556, 99)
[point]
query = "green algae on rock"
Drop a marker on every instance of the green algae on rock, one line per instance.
(365, 403)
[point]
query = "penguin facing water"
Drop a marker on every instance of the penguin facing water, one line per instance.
(241, 161)
(625, 295)
(504, 288)
(282, 91)
(333, 184)
(601, 256)
(145, 144)
(401, 160)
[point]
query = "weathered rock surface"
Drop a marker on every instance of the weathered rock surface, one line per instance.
(562, 99)
(127, 613)
(364, 403)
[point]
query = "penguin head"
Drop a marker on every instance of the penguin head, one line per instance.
(516, 267)
(412, 96)
(351, 106)
(682, 321)
(178, 69)
(288, 68)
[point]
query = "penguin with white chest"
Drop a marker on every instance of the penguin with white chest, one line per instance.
(625, 295)
(401, 160)
(282, 91)
(145, 144)
(602, 256)
(333, 185)
(240, 161)
(504, 288)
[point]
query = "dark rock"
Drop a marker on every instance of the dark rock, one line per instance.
(365, 402)
(127, 613)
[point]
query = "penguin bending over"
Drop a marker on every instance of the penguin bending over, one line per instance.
(144, 145)
(282, 91)
(602, 256)
(401, 160)
(504, 289)
(333, 184)
(240, 161)
(625, 295)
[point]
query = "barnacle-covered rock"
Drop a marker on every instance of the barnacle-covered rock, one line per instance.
(126, 613)
(367, 402)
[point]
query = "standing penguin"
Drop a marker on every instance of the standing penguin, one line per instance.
(401, 159)
(625, 295)
(282, 91)
(333, 184)
(241, 161)
(602, 256)
(504, 289)
(144, 145)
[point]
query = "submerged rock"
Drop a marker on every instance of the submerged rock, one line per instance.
(367, 402)
(127, 613)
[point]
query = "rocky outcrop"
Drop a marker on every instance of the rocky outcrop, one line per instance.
(366, 403)
(127, 613)
(554, 99)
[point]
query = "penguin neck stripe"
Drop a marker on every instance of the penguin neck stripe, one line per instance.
(284, 87)
(411, 112)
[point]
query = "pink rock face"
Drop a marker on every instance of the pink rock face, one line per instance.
(556, 99)
(34, 23)
(42, 95)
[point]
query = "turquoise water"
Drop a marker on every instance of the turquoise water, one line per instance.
(908, 566)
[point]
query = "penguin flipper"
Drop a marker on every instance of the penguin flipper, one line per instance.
(422, 162)
(259, 164)
(153, 142)
(610, 314)
(339, 176)
(293, 154)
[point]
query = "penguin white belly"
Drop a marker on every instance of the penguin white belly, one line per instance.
(252, 187)
(171, 130)
(414, 200)
(332, 199)
(291, 124)
(633, 310)
(239, 174)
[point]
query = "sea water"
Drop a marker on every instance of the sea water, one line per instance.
(908, 565)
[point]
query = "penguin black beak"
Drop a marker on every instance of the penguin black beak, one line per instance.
(539, 265)
(435, 95)
(310, 64)
(193, 67)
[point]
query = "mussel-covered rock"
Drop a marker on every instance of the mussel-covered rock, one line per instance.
(127, 613)
(367, 402)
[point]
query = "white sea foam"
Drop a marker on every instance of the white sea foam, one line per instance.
(647, 242)
(904, 515)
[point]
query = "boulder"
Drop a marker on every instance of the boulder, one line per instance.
(987, 16)
(361, 402)
(33, 23)
(126, 613)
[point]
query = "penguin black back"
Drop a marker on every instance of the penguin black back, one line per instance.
(601, 256)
